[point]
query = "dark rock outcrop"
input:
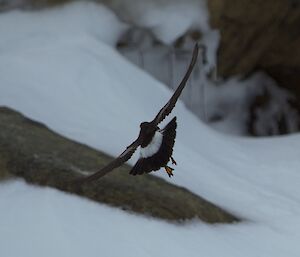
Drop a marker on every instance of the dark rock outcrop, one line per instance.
(259, 35)
(30, 150)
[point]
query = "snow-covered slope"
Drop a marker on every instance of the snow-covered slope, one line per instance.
(81, 87)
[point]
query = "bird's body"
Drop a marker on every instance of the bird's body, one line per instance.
(156, 145)
(157, 150)
(152, 146)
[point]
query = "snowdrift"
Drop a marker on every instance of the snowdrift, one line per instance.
(79, 86)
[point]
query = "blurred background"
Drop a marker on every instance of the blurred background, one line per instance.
(76, 80)
(247, 83)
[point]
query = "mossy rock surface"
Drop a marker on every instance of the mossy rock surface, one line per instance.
(30, 150)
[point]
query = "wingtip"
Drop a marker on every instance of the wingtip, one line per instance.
(195, 54)
(200, 46)
(196, 47)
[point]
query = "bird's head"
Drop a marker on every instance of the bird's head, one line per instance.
(146, 127)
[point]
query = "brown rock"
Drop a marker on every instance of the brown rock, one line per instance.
(259, 34)
(28, 149)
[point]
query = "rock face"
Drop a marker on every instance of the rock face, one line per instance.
(30, 150)
(259, 35)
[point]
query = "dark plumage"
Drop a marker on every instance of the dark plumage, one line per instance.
(156, 144)
(162, 156)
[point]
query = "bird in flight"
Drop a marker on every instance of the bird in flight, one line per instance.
(156, 145)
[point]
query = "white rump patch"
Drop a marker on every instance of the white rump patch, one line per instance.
(153, 147)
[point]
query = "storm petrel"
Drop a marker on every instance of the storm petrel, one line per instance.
(156, 145)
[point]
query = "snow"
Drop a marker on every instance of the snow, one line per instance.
(79, 86)
(230, 102)
(225, 105)
(166, 19)
(25, 28)
(172, 19)
(45, 222)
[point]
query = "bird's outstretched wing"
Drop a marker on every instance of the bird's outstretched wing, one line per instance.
(123, 157)
(166, 110)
